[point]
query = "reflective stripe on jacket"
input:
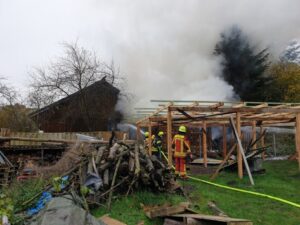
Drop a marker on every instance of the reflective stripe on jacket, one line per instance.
(181, 146)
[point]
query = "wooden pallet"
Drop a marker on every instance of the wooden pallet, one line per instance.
(199, 219)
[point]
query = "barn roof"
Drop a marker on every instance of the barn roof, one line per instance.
(99, 83)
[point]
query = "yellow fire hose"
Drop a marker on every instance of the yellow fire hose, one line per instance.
(238, 189)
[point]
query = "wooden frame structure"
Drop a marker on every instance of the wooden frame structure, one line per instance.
(205, 114)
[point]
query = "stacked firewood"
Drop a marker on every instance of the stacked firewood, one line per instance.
(122, 169)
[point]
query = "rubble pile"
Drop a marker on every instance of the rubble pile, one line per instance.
(96, 172)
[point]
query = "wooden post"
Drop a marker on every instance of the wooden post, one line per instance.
(262, 141)
(241, 150)
(274, 144)
(297, 137)
(138, 133)
(224, 141)
(204, 144)
(150, 137)
(239, 155)
(254, 134)
(169, 136)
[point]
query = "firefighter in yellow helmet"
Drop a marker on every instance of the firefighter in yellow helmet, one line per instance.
(157, 144)
(147, 140)
(181, 147)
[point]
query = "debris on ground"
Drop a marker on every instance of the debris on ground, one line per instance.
(94, 176)
(194, 219)
(216, 210)
(106, 219)
(63, 210)
(181, 214)
(165, 210)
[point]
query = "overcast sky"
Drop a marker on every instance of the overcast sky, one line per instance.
(164, 48)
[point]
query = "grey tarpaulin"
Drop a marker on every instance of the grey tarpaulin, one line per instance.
(63, 211)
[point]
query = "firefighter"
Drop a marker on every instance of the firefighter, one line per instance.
(146, 140)
(181, 148)
(157, 145)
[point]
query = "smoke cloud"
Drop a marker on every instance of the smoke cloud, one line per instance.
(164, 48)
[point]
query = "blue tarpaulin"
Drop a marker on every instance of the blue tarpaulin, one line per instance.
(45, 198)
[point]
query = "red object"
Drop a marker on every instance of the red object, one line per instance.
(180, 168)
(27, 174)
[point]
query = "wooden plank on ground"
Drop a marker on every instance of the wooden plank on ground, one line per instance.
(169, 221)
(165, 210)
(225, 220)
(110, 221)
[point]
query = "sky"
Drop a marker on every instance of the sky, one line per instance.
(162, 48)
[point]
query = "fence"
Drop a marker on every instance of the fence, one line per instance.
(102, 135)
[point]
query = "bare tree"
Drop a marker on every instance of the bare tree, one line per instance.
(13, 115)
(75, 70)
(8, 95)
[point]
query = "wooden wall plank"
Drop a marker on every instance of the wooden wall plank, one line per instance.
(204, 143)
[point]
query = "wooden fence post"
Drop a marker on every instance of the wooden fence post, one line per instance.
(204, 143)
(169, 136)
(239, 155)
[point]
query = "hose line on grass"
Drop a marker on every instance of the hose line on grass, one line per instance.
(245, 191)
(240, 190)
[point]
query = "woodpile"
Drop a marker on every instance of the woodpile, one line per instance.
(124, 169)
(104, 171)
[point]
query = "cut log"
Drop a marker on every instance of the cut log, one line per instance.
(131, 164)
(106, 177)
(137, 161)
(113, 151)
(99, 154)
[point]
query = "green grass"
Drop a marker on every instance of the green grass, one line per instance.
(282, 179)
(20, 192)
(129, 209)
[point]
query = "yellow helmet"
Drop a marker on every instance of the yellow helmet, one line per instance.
(182, 129)
(146, 134)
(160, 133)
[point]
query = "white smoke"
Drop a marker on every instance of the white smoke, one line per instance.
(164, 48)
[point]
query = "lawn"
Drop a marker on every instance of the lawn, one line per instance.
(282, 179)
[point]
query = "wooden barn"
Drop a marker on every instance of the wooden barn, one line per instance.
(91, 109)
